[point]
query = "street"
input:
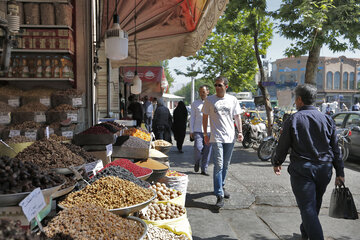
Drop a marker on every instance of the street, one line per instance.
(261, 206)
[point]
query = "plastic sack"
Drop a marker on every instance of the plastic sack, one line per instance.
(178, 225)
(176, 182)
(178, 201)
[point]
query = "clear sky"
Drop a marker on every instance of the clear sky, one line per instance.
(275, 51)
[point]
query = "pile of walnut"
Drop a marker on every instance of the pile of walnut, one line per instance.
(160, 211)
(154, 232)
(87, 221)
(164, 193)
(110, 193)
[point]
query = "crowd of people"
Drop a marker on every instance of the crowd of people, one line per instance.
(313, 153)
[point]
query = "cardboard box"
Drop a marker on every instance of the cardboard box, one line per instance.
(101, 155)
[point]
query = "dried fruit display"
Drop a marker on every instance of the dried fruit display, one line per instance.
(164, 193)
(161, 211)
(136, 132)
(173, 173)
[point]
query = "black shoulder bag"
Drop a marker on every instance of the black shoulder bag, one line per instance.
(342, 203)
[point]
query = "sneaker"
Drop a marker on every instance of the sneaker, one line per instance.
(196, 167)
(226, 194)
(220, 202)
(204, 173)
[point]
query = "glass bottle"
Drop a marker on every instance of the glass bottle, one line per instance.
(39, 67)
(47, 70)
(25, 68)
(56, 67)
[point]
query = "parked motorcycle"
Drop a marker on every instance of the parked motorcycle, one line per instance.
(253, 134)
(344, 142)
(268, 145)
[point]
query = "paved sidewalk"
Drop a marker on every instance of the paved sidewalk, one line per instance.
(262, 205)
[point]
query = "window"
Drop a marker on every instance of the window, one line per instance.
(282, 78)
(339, 119)
(352, 79)
(329, 80)
(345, 80)
(353, 121)
(337, 80)
(319, 81)
(358, 80)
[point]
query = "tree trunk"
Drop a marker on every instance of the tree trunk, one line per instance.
(312, 62)
(264, 91)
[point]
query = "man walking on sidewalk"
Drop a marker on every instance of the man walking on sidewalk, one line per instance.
(202, 151)
(222, 109)
(314, 151)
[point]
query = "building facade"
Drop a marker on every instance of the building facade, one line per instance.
(337, 79)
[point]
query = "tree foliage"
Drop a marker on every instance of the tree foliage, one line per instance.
(186, 90)
(315, 23)
(168, 75)
(229, 51)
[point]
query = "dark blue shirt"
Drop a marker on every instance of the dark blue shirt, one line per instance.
(312, 137)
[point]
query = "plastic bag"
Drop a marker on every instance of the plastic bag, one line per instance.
(176, 182)
(179, 200)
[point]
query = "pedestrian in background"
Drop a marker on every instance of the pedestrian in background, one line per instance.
(311, 135)
(136, 109)
(202, 151)
(148, 113)
(179, 125)
(222, 109)
(162, 122)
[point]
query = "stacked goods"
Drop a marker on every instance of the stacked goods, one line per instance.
(47, 14)
(63, 112)
(17, 176)
(119, 172)
(11, 230)
(154, 232)
(73, 97)
(80, 152)
(91, 222)
(160, 211)
(32, 13)
(33, 111)
(10, 95)
(58, 138)
(63, 13)
(137, 132)
(29, 129)
(110, 193)
(40, 95)
(131, 167)
(18, 139)
(5, 111)
(50, 154)
(164, 193)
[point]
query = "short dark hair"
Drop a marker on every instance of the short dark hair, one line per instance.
(307, 92)
(222, 78)
(204, 86)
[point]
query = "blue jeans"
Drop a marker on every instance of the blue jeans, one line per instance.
(221, 155)
(202, 151)
(309, 181)
(148, 123)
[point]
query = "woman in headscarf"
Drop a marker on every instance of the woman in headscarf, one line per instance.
(162, 122)
(179, 126)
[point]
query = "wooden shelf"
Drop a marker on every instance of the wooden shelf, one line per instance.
(46, 26)
(45, 1)
(55, 51)
(37, 79)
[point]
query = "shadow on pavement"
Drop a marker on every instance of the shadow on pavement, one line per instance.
(219, 237)
(191, 203)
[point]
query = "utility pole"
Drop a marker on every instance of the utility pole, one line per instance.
(192, 84)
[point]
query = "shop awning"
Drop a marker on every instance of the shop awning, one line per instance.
(164, 28)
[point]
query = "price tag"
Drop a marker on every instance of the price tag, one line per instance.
(14, 133)
(47, 132)
(14, 102)
(39, 118)
(76, 102)
(109, 150)
(31, 134)
(68, 134)
(33, 204)
(73, 117)
(5, 118)
(94, 166)
(45, 101)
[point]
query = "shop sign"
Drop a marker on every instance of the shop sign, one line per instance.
(4, 118)
(68, 134)
(45, 101)
(76, 102)
(73, 117)
(14, 133)
(33, 204)
(31, 134)
(14, 102)
(40, 117)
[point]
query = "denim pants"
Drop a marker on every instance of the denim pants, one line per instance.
(148, 123)
(221, 155)
(309, 181)
(202, 151)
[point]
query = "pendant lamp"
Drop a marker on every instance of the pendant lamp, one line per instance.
(116, 41)
(137, 83)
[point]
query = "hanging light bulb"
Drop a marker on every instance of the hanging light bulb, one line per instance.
(116, 42)
(137, 84)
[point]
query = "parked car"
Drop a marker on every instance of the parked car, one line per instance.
(350, 120)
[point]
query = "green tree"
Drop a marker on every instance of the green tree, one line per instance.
(315, 23)
(229, 53)
(168, 75)
(257, 24)
(185, 91)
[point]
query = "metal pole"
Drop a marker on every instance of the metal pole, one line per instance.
(108, 87)
(192, 84)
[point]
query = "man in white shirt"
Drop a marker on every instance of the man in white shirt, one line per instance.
(222, 109)
(202, 151)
